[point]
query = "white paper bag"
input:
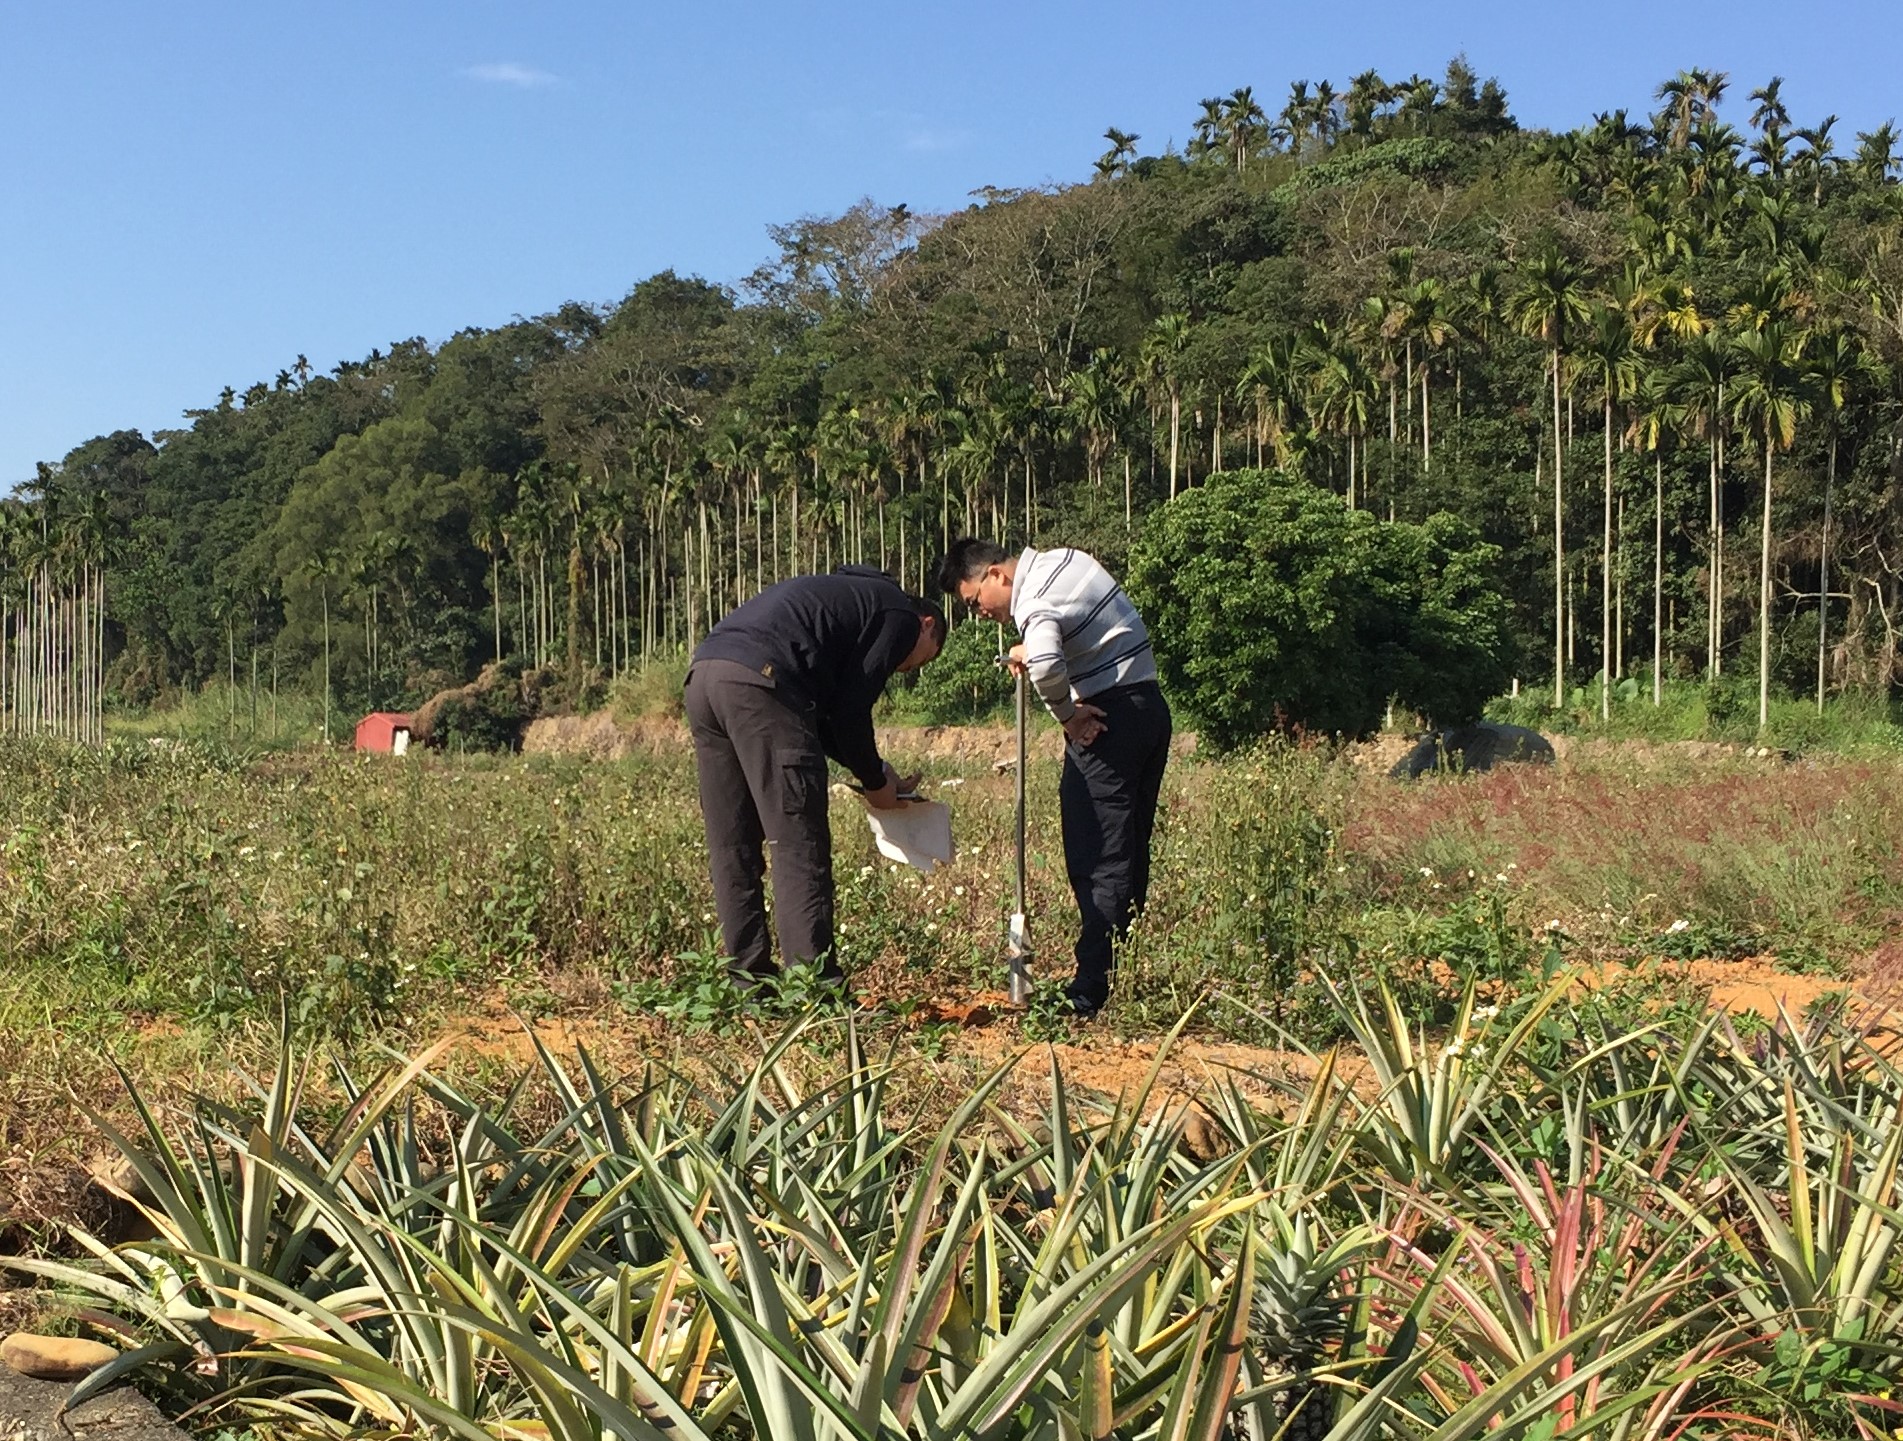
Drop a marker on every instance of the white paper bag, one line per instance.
(917, 832)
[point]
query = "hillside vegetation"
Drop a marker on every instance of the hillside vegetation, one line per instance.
(1652, 360)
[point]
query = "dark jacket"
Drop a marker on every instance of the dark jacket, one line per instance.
(828, 643)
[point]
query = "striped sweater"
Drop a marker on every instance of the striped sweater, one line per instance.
(1082, 636)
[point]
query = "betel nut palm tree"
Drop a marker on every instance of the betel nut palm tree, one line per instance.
(1548, 301)
(1770, 398)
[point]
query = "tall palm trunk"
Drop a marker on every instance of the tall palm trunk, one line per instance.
(1176, 418)
(1823, 572)
(1764, 595)
(1713, 610)
(1718, 562)
(326, 598)
(706, 569)
(687, 582)
(739, 556)
(944, 502)
(1559, 551)
(1391, 442)
(1618, 590)
(1408, 386)
(544, 615)
(495, 594)
(521, 605)
(1605, 581)
(1658, 578)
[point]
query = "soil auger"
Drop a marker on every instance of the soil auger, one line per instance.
(1017, 949)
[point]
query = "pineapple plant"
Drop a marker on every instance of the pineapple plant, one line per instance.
(1301, 1315)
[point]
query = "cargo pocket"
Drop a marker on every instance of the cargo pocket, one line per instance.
(803, 785)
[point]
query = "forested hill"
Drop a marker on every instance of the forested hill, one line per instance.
(1388, 289)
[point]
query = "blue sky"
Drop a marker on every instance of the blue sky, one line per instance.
(192, 194)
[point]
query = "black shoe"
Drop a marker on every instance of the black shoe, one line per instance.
(1085, 1008)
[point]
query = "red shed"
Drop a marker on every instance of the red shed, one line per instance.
(384, 730)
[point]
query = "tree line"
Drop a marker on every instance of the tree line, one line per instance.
(1654, 360)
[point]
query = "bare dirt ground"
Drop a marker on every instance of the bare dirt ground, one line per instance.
(974, 1032)
(958, 1039)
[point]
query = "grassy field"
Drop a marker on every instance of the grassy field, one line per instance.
(183, 891)
(1519, 968)
(177, 882)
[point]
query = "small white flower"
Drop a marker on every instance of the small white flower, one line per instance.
(1677, 926)
(1486, 1013)
(247, 850)
(706, 917)
(958, 890)
(1552, 925)
(1470, 873)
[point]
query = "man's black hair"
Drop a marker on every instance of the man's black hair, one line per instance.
(968, 557)
(927, 608)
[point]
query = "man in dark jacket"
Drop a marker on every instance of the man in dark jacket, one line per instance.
(780, 684)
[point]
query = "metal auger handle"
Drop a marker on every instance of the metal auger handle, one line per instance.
(1018, 947)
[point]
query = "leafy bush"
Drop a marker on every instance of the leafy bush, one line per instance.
(1411, 156)
(965, 683)
(1277, 607)
(488, 722)
(492, 712)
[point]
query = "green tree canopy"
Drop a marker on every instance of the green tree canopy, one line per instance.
(1276, 607)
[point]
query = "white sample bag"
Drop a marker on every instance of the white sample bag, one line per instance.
(917, 832)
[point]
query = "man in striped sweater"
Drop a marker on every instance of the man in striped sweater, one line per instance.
(1088, 656)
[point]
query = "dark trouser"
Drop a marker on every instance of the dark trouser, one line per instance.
(762, 783)
(1108, 801)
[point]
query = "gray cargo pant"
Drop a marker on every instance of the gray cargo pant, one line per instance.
(762, 784)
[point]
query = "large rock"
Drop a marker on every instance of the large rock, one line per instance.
(1475, 747)
(54, 1358)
